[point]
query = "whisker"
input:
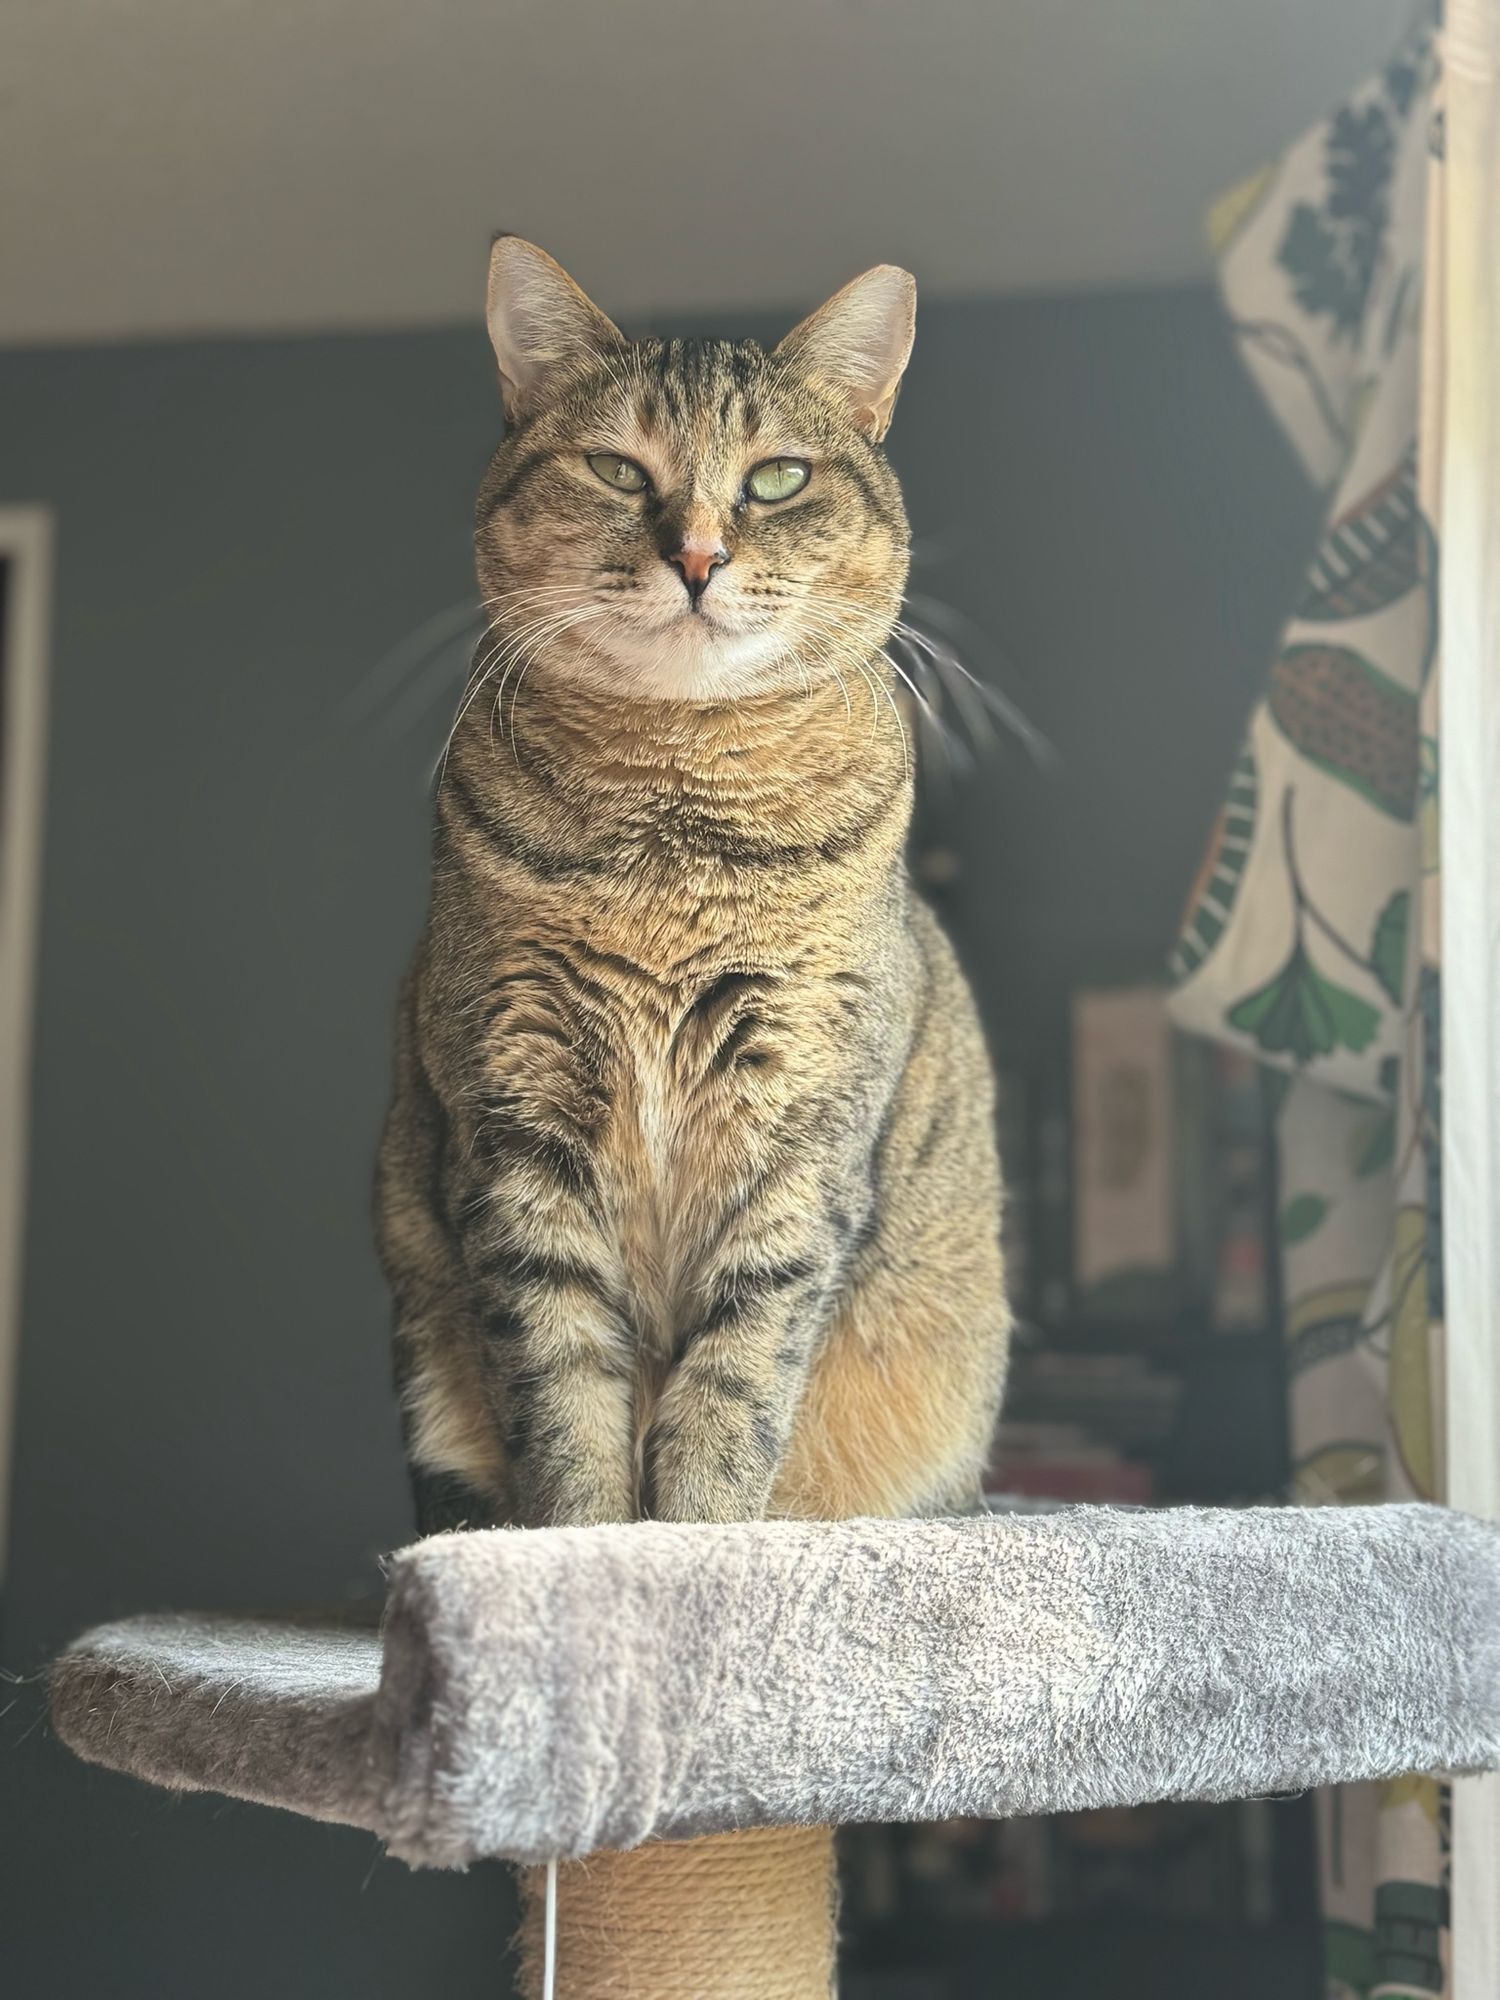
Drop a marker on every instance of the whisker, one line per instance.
(823, 656)
(408, 655)
(951, 675)
(437, 679)
(584, 616)
(413, 657)
(482, 673)
(1005, 709)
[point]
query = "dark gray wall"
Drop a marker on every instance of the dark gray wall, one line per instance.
(235, 871)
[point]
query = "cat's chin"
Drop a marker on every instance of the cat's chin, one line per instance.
(692, 659)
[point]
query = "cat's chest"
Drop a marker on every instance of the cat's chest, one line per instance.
(669, 1092)
(697, 1128)
(700, 1082)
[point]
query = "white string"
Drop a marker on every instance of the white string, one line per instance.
(549, 1934)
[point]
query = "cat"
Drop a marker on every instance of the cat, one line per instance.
(688, 1197)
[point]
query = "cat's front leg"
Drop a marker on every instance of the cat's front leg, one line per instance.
(740, 1365)
(557, 1344)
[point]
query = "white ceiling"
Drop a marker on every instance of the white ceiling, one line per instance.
(186, 166)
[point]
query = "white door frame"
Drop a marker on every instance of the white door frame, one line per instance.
(1465, 264)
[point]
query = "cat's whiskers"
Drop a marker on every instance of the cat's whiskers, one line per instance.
(523, 602)
(588, 571)
(838, 626)
(402, 684)
(976, 700)
(823, 657)
(882, 688)
(530, 639)
(827, 654)
(587, 615)
(482, 674)
(409, 656)
(520, 680)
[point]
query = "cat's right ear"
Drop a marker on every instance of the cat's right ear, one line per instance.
(541, 325)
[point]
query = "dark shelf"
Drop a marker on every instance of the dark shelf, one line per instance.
(1083, 1958)
(1169, 1337)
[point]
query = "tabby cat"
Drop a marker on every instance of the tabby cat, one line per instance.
(688, 1197)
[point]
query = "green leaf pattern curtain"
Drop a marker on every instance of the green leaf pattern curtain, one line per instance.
(1311, 935)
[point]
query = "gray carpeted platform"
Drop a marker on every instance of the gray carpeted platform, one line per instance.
(561, 1691)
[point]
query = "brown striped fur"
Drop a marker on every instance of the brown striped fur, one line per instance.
(688, 1196)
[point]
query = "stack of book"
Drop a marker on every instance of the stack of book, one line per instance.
(1083, 1426)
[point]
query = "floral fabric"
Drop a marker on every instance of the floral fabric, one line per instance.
(1311, 935)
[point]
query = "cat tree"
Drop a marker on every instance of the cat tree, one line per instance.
(679, 1713)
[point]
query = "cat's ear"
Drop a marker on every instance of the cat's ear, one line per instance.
(540, 323)
(859, 343)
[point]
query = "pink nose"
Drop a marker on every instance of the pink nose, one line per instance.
(696, 562)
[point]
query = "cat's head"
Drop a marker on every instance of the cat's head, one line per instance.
(692, 519)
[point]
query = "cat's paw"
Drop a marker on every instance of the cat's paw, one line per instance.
(695, 1486)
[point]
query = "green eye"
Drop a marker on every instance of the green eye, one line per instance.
(622, 473)
(778, 478)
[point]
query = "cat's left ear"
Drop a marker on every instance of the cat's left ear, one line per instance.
(859, 343)
(541, 325)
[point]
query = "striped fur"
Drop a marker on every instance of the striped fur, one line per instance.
(688, 1195)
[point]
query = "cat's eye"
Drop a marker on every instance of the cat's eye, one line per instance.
(778, 478)
(622, 473)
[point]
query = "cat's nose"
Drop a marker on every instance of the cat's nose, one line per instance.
(695, 562)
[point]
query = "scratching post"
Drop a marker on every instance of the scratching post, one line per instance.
(733, 1916)
(679, 1713)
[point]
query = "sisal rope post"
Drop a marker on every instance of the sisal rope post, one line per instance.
(733, 1916)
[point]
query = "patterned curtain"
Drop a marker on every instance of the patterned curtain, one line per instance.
(1311, 936)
